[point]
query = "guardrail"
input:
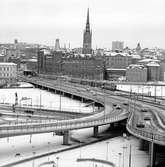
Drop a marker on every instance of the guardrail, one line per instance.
(141, 133)
(6, 130)
(156, 138)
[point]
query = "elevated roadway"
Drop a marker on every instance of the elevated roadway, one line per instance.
(105, 114)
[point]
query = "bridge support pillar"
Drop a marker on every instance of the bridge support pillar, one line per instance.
(143, 145)
(95, 131)
(66, 138)
(112, 125)
(152, 154)
(82, 100)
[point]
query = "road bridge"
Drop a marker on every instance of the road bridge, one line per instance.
(104, 115)
(153, 132)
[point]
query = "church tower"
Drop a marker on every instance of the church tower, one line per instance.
(87, 38)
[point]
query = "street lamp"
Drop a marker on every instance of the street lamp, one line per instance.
(124, 147)
(57, 160)
(120, 158)
(130, 152)
(103, 87)
(107, 143)
(48, 150)
(80, 148)
(33, 157)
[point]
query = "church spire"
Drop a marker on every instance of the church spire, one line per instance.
(87, 23)
(87, 37)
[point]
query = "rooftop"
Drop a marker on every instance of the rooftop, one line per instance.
(7, 64)
(153, 64)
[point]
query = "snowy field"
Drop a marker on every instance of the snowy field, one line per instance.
(148, 90)
(41, 143)
(47, 99)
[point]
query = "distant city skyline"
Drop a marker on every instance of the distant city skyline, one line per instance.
(42, 21)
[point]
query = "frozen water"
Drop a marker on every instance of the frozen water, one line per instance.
(47, 99)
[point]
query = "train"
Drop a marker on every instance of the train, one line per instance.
(95, 83)
(104, 84)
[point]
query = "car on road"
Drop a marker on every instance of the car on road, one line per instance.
(125, 104)
(17, 154)
(114, 105)
(144, 110)
(29, 112)
(118, 107)
(147, 118)
(140, 125)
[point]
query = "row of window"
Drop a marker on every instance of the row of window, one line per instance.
(6, 68)
(6, 75)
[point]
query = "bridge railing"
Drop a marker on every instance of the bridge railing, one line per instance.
(150, 136)
(60, 126)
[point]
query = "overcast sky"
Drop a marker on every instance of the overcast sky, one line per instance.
(42, 21)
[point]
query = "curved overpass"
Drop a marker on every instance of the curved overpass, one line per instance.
(106, 115)
(148, 125)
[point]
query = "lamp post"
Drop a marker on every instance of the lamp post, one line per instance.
(80, 148)
(57, 160)
(120, 158)
(124, 147)
(130, 158)
(60, 95)
(48, 150)
(33, 157)
(103, 87)
(40, 100)
(107, 143)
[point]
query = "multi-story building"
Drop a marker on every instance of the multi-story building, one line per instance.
(162, 70)
(83, 67)
(117, 45)
(115, 73)
(153, 71)
(8, 71)
(49, 62)
(87, 38)
(72, 65)
(136, 73)
(118, 60)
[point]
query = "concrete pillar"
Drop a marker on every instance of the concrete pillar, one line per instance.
(66, 138)
(95, 131)
(112, 125)
(82, 100)
(152, 154)
(143, 145)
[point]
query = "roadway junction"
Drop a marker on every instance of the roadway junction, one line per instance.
(143, 119)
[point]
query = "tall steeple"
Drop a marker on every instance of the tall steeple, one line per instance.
(87, 23)
(87, 38)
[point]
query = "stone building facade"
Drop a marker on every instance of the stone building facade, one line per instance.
(136, 73)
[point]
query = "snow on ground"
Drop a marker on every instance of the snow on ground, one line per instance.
(41, 143)
(25, 85)
(47, 99)
(106, 150)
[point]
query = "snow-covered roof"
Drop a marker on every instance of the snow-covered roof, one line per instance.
(7, 64)
(1, 55)
(46, 51)
(136, 56)
(153, 64)
(117, 69)
(122, 54)
(135, 66)
(148, 60)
